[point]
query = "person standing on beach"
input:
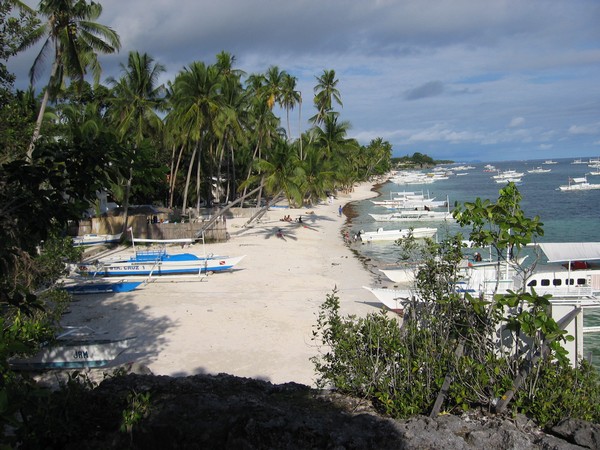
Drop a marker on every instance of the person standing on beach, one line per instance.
(340, 211)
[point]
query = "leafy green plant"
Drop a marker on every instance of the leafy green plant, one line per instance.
(138, 408)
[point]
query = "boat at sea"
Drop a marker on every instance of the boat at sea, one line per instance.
(413, 215)
(571, 276)
(394, 235)
(539, 169)
(578, 184)
(549, 161)
(508, 176)
(73, 350)
(96, 239)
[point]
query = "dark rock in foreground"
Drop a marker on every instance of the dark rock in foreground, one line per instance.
(228, 412)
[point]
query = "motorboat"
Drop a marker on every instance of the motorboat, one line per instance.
(578, 184)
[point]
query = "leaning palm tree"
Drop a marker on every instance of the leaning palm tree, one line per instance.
(137, 99)
(73, 35)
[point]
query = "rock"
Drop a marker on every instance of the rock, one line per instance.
(228, 412)
(579, 432)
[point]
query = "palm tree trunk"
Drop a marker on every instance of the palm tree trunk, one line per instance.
(188, 179)
(174, 177)
(223, 210)
(261, 212)
(126, 201)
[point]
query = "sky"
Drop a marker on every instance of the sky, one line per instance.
(466, 80)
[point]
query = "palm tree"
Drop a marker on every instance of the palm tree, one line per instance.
(273, 85)
(325, 93)
(289, 97)
(72, 33)
(133, 109)
(196, 101)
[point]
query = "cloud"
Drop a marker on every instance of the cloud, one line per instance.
(593, 128)
(478, 63)
(430, 89)
(516, 122)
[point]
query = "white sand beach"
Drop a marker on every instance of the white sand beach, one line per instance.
(255, 321)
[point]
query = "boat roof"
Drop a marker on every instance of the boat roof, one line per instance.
(571, 251)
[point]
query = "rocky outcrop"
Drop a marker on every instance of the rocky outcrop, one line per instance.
(228, 412)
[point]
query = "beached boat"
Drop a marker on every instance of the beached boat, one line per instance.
(73, 351)
(403, 276)
(578, 184)
(158, 263)
(96, 239)
(86, 285)
(393, 299)
(394, 235)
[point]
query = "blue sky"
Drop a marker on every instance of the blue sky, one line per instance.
(467, 80)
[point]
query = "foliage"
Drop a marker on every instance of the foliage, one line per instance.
(493, 349)
(138, 408)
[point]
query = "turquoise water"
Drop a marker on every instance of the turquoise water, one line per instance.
(567, 216)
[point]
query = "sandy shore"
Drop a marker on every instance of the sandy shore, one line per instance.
(256, 321)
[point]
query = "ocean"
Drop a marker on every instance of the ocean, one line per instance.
(567, 216)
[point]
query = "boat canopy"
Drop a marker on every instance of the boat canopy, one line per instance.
(571, 251)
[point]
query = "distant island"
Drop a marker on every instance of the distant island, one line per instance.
(417, 160)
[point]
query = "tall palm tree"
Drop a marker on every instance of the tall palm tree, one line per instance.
(290, 97)
(196, 101)
(273, 85)
(134, 108)
(73, 35)
(325, 92)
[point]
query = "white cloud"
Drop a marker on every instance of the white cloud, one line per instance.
(516, 122)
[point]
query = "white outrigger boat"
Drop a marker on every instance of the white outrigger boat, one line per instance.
(578, 184)
(159, 262)
(96, 239)
(412, 215)
(394, 235)
(73, 351)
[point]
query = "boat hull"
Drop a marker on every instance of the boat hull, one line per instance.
(186, 264)
(394, 235)
(102, 287)
(73, 354)
(393, 299)
(96, 239)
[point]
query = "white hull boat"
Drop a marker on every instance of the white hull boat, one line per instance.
(578, 184)
(394, 235)
(393, 299)
(96, 239)
(72, 351)
(159, 263)
(413, 216)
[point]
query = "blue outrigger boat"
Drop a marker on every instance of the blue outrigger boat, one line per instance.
(100, 286)
(159, 262)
